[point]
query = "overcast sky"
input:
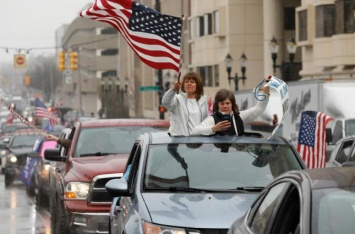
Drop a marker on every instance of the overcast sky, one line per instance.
(31, 24)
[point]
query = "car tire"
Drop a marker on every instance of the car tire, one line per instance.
(30, 189)
(53, 212)
(41, 199)
(61, 226)
(8, 180)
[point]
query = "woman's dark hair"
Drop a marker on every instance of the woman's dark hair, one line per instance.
(222, 95)
(198, 80)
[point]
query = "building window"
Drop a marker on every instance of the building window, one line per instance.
(325, 23)
(200, 26)
(345, 21)
(209, 75)
(109, 30)
(208, 24)
(215, 22)
(216, 75)
(289, 18)
(302, 18)
(109, 52)
(108, 74)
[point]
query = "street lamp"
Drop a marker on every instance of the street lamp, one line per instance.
(291, 49)
(228, 62)
(243, 67)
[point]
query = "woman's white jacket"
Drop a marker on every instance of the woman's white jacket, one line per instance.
(176, 104)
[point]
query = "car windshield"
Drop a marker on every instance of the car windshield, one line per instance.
(333, 210)
(217, 166)
(109, 140)
(24, 141)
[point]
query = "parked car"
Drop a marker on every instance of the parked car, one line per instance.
(39, 184)
(18, 147)
(82, 202)
(195, 184)
(308, 201)
(343, 153)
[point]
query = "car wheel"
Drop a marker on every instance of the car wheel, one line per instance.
(61, 226)
(41, 199)
(8, 180)
(30, 189)
(53, 212)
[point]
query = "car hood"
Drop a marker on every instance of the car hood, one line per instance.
(209, 210)
(85, 168)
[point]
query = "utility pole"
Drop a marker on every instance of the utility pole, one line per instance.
(159, 82)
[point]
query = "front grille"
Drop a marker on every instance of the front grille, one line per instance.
(98, 192)
(21, 160)
(208, 231)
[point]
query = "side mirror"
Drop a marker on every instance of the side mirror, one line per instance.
(328, 135)
(117, 187)
(6, 140)
(54, 155)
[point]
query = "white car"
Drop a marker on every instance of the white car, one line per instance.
(343, 153)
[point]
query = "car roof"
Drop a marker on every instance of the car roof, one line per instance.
(250, 137)
(125, 122)
(330, 177)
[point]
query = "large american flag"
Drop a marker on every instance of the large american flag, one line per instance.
(154, 37)
(41, 111)
(311, 138)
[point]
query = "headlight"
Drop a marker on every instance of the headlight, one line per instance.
(46, 167)
(76, 190)
(157, 229)
(12, 158)
(3, 152)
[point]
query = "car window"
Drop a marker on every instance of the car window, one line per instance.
(352, 156)
(24, 140)
(216, 166)
(344, 151)
(333, 210)
(111, 140)
(265, 210)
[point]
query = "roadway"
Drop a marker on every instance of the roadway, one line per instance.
(18, 212)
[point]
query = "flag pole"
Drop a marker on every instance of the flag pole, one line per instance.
(23, 120)
(181, 47)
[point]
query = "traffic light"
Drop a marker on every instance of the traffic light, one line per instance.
(162, 109)
(73, 61)
(27, 80)
(61, 65)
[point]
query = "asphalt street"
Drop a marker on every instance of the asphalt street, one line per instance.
(18, 212)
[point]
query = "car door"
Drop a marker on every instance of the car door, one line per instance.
(264, 210)
(127, 215)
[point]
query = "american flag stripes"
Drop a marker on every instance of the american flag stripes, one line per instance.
(15, 115)
(154, 37)
(41, 111)
(311, 138)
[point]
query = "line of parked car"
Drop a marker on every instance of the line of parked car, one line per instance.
(131, 176)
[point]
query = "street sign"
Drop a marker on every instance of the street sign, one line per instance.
(149, 88)
(19, 61)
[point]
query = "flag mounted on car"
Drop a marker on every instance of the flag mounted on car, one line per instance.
(154, 37)
(41, 111)
(311, 138)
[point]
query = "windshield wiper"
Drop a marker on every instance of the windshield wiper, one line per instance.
(95, 154)
(250, 188)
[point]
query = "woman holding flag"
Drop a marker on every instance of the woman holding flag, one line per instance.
(187, 109)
